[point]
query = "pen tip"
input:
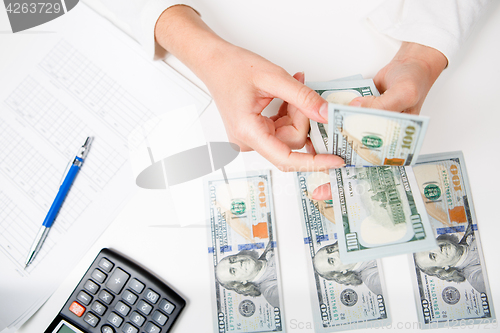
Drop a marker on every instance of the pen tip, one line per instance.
(27, 263)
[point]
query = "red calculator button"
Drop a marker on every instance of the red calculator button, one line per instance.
(77, 309)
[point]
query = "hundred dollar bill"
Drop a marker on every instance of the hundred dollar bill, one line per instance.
(341, 91)
(450, 281)
(344, 296)
(381, 211)
(243, 254)
(370, 137)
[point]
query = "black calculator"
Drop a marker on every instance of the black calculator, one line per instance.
(117, 295)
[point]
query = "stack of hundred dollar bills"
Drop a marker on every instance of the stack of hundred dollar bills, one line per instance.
(380, 212)
(387, 201)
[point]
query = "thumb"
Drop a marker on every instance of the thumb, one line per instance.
(363, 102)
(396, 98)
(291, 90)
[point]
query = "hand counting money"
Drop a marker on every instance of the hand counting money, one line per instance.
(363, 136)
(341, 91)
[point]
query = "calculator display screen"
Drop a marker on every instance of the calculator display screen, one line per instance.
(65, 327)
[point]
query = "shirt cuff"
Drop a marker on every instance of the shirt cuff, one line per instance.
(443, 25)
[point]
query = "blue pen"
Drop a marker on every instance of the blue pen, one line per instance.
(75, 166)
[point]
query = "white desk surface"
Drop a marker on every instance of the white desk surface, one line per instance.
(327, 40)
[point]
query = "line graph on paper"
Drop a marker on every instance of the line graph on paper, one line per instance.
(64, 129)
(17, 232)
(98, 91)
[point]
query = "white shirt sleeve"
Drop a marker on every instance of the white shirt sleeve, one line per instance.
(140, 16)
(440, 24)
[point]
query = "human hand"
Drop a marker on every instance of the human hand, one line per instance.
(406, 80)
(242, 84)
(404, 84)
(242, 98)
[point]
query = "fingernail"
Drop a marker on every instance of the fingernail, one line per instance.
(323, 111)
(315, 194)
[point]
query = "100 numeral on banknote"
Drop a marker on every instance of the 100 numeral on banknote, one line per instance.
(450, 280)
(243, 253)
(368, 137)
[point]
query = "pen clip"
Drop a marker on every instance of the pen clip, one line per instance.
(84, 149)
(79, 157)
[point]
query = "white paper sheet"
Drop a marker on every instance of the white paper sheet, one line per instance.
(80, 76)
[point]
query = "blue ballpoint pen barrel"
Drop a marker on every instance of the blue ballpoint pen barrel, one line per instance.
(61, 195)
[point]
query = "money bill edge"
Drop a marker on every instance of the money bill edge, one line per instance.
(350, 82)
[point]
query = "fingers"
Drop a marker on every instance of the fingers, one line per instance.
(310, 147)
(292, 125)
(281, 155)
(276, 146)
(322, 192)
(294, 133)
(399, 98)
(289, 89)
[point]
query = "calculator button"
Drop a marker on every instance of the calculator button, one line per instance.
(159, 317)
(106, 265)
(77, 309)
(99, 275)
(152, 328)
(136, 286)
(122, 308)
(166, 306)
(115, 319)
(144, 307)
(152, 296)
(91, 287)
(107, 329)
(99, 308)
(91, 319)
(129, 297)
(127, 328)
(117, 280)
(84, 298)
(106, 297)
(137, 319)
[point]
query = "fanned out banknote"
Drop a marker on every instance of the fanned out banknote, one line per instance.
(340, 91)
(450, 281)
(371, 137)
(243, 254)
(344, 296)
(380, 212)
